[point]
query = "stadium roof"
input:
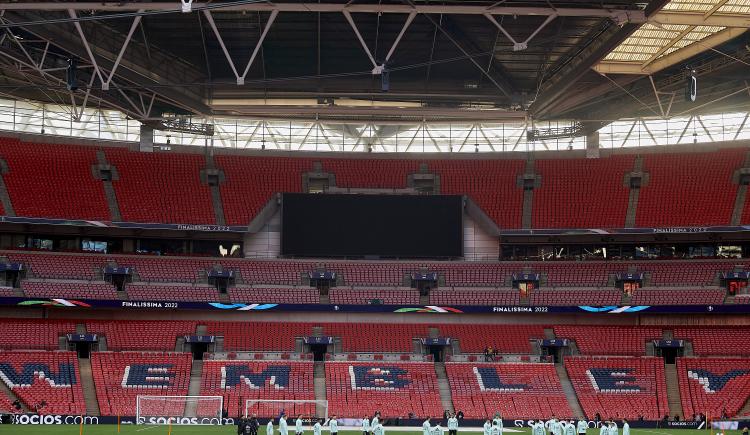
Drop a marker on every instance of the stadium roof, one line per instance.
(496, 60)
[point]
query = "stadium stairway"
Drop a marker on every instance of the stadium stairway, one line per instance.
(4, 390)
(319, 382)
(745, 410)
(570, 392)
(445, 388)
(673, 390)
(194, 388)
(87, 384)
(109, 190)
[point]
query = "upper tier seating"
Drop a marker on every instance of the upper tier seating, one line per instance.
(623, 387)
(33, 333)
(141, 334)
(609, 340)
(689, 189)
(490, 183)
(707, 340)
(7, 292)
(259, 336)
(51, 377)
(121, 377)
(68, 289)
(239, 381)
(354, 389)
(379, 337)
(274, 295)
(669, 296)
(180, 196)
(474, 296)
(503, 338)
(53, 181)
(174, 292)
(564, 296)
(713, 385)
(516, 390)
(364, 295)
(570, 185)
(252, 181)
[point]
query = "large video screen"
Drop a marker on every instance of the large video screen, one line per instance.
(384, 226)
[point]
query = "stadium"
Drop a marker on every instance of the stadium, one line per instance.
(471, 216)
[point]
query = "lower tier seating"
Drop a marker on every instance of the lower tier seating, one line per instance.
(354, 389)
(141, 335)
(33, 333)
(716, 340)
(259, 336)
(121, 377)
(240, 381)
(609, 340)
(503, 338)
(713, 386)
(619, 387)
(515, 390)
(46, 382)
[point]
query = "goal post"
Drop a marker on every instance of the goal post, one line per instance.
(292, 408)
(176, 410)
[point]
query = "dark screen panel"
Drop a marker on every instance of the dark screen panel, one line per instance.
(371, 225)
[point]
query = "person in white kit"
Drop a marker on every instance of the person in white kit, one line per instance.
(378, 429)
(283, 427)
(452, 425)
(556, 427)
(625, 427)
(317, 428)
(366, 425)
(298, 430)
(269, 427)
(498, 420)
(548, 424)
(613, 429)
(604, 429)
(570, 428)
(426, 425)
(375, 420)
(487, 428)
(497, 429)
(539, 428)
(333, 425)
(583, 426)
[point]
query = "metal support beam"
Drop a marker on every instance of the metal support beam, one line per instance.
(617, 15)
(409, 19)
(136, 21)
(258, 45)
(518, 46)
(349, 18)
(85, 41)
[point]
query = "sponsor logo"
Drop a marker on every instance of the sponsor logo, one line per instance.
(185, 421)
(53, 419)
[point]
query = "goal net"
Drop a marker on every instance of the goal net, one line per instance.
(188, 410)
(292, 408)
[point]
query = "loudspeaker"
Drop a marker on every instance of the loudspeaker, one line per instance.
(70, 76)
(691, 89)
(385, 80)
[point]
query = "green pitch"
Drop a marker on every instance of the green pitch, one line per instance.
(225, 430)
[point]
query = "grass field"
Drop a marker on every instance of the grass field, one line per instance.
(209, 430)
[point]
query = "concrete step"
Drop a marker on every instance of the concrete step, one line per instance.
(201, 330)
(549, 333)
(196, 372)
(673, 390)
(570, 392)
(446, 398)
(87, 384)
(319, 383)
(102, 343)
(745, 410)
(4, 197)
(667, 334)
